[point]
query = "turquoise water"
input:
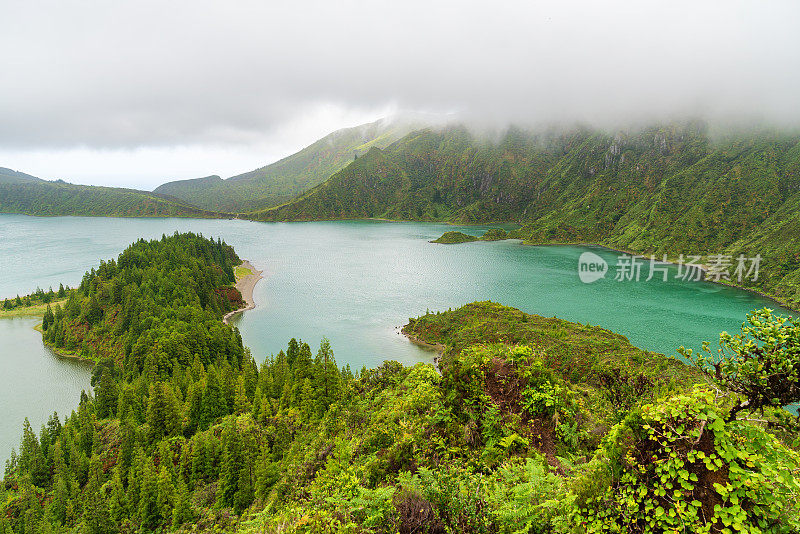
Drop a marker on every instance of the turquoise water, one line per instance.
(354, 282)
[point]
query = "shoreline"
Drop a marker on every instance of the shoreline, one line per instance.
(438, 348)
(64, 354)
(69, 356)
(246, 284)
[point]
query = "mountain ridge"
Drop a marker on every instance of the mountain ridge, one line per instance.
(58, 198)
(288, 177)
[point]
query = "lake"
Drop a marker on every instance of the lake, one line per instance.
(354, 282)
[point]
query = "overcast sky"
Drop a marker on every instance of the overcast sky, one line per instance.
(138, 93)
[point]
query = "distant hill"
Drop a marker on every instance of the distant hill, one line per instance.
(187, 188)
(281, 181)
(666, 189)
(40, 197)
(8, 176)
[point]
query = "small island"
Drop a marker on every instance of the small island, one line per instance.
(454, 237)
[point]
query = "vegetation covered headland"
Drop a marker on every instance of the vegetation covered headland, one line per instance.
(529, 424)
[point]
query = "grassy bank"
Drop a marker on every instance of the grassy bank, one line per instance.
(36, 310)
(241, 271)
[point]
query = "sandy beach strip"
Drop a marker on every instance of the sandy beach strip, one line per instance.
(245, 285)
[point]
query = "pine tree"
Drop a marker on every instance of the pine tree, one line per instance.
(198, 458)
(62, 499)
(292, 352)
(241, 402)
(257, 400)
(166, 494)
(245, 492)
(136, 479)
(250, 377)
(31, 459)
(214, 404)
(163, 412)
(328, 375)
(149, 513)
(127, 445)
(96, 515)
(164, 455)
(302, 365)
(182, 513)
(118, 500)
(54, 427)
(106, 394)
(48, 318)
(231, 460)
(61, 506)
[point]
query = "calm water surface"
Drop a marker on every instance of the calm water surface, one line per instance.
(35, 382)
(353, 282)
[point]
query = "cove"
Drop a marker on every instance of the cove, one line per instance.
(354, 282)
(36, 382)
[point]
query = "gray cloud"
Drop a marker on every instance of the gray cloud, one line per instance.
(132, 74)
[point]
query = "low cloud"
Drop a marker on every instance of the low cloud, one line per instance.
(121, 76)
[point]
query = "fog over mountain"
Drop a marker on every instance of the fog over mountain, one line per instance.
(136, 94)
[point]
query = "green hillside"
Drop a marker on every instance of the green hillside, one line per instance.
(287, 178)
(669, 189)
(186, 189)
(8, 176)
(45, 198)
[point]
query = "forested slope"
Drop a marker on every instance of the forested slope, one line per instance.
(533, 425)
(57, 198)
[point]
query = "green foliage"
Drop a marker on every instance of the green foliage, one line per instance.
(578, 353)
(762, 364)
(145, 307)
(186, 432)
(494, 234)
(452, 237)
(678, 466)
